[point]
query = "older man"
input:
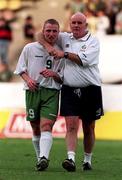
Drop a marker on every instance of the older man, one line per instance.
(81, 95)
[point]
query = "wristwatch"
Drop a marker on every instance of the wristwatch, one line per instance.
(66, 54)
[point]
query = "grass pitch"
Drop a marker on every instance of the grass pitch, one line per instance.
(17, 161)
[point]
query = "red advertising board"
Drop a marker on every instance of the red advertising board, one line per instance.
(18, 127)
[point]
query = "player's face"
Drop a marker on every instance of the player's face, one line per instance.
(51, 32)
(78, 26)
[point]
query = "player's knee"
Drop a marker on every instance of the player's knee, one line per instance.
(35, 128)
(36, 131)
(88, 131)
(47, 126)
(72, 129)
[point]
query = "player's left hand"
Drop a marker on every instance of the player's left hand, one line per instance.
(47, 73)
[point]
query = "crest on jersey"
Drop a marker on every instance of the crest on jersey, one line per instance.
(83, 48)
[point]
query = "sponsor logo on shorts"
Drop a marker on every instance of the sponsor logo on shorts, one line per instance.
(98, 112)
(78, 92)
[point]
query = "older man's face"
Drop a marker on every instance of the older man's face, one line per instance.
(78, 26)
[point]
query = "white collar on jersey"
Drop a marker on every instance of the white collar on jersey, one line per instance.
(85, 38)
